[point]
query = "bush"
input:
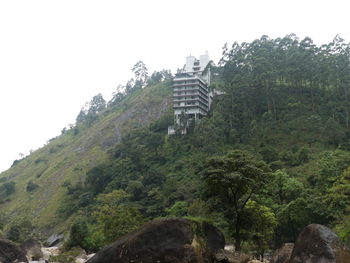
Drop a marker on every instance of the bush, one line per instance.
(20, 230)
(178, 209)
(31, 186)
(77, 234)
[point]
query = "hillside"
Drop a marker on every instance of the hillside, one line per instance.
(70, 155)
(272, 157)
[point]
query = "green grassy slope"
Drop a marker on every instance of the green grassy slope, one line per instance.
(70, 155)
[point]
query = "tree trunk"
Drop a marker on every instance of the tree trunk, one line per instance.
(238, 235)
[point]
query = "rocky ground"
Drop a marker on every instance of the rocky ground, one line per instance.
(178, 240)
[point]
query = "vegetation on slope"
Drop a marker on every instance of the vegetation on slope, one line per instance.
(285, 106)
(34, 187)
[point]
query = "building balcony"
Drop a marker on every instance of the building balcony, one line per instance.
(190, 95)
(188, 85)
(194, 106)
(192, 89)
(185, 99)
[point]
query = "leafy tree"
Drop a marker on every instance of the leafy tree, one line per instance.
(178, 209)
(338, 195)
(7, 188)
(261, 226)
(77, 234)
(115, 217)
(141, 74)
(90, 111)
(97, 179)
(284, 187)
(232, 180)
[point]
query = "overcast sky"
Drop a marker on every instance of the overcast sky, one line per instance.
(56, 55)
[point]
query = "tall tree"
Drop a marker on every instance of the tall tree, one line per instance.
(232, 180)
(141, 74)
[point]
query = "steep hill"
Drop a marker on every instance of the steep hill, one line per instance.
(285, 107)
(70, 155)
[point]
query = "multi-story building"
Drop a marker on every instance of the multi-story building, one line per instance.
(191, 95)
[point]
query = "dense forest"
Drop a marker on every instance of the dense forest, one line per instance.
(272, 157)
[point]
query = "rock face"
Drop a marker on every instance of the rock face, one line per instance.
(172, 240)
(10, 253)
(33, 249)
(282, 255)
(318, 244)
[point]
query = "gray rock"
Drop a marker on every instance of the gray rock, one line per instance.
(171, 240)
(282, 255)
(54, 239)
(318, 244)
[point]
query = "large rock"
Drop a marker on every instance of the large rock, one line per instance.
(227, 256)
(282, 255)
(173, 240)
(318, 244)
(33, 249)
(10, 253)
(54, 239)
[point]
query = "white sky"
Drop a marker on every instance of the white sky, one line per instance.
(56, 55)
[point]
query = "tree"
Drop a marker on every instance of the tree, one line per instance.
(8, 188)
(114, 216)
(77, 234)
(285, 188)
(231, 181)
(261, 226)
(141, 74)
(338, 195)
(90, 110)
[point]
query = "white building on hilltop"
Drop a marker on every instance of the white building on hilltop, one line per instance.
(191, 95)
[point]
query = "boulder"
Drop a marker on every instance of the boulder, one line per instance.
(282, 255)
(171, 240)
(228, 256)
(10, 252)
(318, 244)
(33, 249)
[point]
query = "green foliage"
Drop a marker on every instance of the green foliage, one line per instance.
(337, 195)
(286, 101)
(20, 230)
(7, 189)
(31, 186)
(232, 180)
(262, 223)
(90, 112)
(114, 217)
(343, 230)
(78, 233)
(179, 209)
(284, 187)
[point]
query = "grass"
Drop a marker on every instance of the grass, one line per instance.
(69, 157)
